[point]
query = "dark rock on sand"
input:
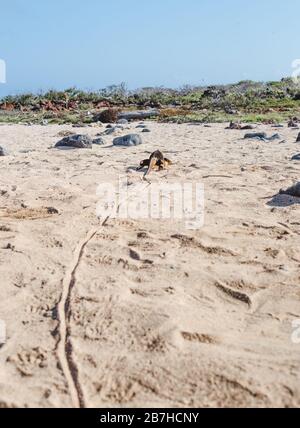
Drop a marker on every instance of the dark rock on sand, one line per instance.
(298, 139)
(296, 157)
(274, 137)
(76, 142)
(262, 136)
(238, 126)
(99, 142)
(234, 125)
(122, 122)
(257, 135)
(146, 130)
(110, 131)
(128, 140)
(292, 191)
(249, 127)
(3, 152)
(293, 123)
(141, 126)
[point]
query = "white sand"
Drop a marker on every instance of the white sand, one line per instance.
(173, 328)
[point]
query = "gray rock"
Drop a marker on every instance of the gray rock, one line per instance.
(110, 131)
(238, 126)
(76, 142)
(298, 139)
(274, 137)
(3, 152)
(141, 126)
(283, 201)
(256, 135)
(128, 140)
(146, 130)
(262, 136)
(296, 157)
(122, 122)
(248, 127)
(292, 191)
(99, 142)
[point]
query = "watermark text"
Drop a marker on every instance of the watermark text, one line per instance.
(159, 201)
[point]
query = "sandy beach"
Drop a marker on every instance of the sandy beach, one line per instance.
(147, 313)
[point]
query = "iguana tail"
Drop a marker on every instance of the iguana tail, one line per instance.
(152, 164)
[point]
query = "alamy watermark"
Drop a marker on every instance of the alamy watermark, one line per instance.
(162, 201)
(296, 332)
(2, 332)
(2, 71)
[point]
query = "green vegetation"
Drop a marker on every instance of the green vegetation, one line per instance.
(245, 101)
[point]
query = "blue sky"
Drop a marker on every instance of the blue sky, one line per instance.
(94, 43)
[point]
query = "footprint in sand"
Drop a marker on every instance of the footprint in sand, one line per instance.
(199, 338)
(27, 361)
(29, 213)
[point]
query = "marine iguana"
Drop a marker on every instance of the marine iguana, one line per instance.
(156, 161)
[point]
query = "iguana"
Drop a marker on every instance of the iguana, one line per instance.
(156, 161)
